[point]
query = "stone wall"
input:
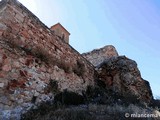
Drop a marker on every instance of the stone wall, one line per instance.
(31, 56)
(97, 56)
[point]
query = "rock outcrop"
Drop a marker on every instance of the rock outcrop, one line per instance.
(119, 73)
(97, 56)
(122, 76)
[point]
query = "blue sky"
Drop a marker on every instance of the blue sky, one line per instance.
(132, 26)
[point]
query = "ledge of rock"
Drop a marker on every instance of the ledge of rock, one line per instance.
(97, 56)
(121, 75)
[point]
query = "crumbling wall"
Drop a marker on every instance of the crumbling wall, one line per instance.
(30, 57)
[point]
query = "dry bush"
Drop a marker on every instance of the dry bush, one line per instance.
(41, 110)
(40, 53)
(92, 112)
(12, 43)
(64, 65)
(68, 114)
(52, 87)
(79, 68)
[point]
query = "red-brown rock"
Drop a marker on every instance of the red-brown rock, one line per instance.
(122, 76)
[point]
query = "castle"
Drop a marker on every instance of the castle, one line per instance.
(32, 55)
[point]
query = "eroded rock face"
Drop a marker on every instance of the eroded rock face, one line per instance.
(97, 56)
(122, 76)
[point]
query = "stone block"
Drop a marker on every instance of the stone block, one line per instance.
(16, 64)
(6, 68)
(1, 85)
(36, 94)
(3, 26)
(2, 74)
(19, 17)
(25, 34)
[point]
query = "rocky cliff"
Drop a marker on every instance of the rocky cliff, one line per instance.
(97, 56)
(120, 74)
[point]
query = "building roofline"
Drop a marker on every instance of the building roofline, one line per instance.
(61, 26)
(35, 18)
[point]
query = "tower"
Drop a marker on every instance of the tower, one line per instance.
(60, 31)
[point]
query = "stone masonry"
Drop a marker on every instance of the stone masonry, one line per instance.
(31, 56)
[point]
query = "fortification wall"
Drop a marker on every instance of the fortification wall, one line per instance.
(30, 57)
